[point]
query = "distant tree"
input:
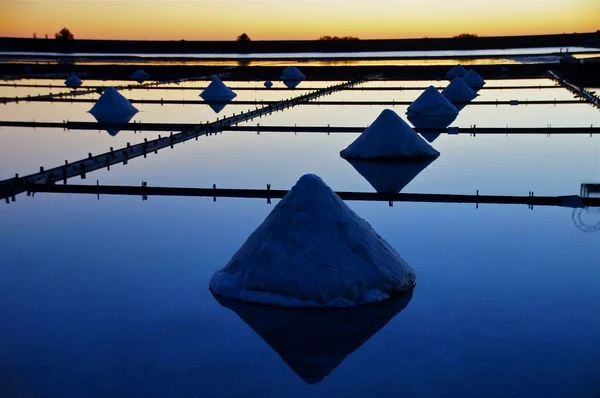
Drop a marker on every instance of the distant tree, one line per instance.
(329, 38)
(34, 36)
(46, 35)
(466, 36)
(244, 38)
(64, 34)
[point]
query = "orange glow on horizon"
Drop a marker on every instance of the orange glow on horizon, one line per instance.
(285, 20)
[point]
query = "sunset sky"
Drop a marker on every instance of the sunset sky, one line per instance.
(300, 19)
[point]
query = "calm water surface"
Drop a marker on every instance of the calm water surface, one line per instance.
(110, 297)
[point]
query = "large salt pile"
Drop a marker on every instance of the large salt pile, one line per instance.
(389, 177)
(217, 94)
(459, 93)
(112, 107)
(314, 342)
(389, 138)
(474, 80)
(431, 110)
(139, 76)
(457, 71)
(312, 250)
(73, 81)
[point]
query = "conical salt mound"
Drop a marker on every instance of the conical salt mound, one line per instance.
(292, 73)
(313, 342)
(73, 81)
(389, 177)
(112, 102)
(474, 80)
(457, 71)
(313, 251)
(431, 103)
(458, 91)
(389, 138)
(217, 91)
(268, 84)
(139, 76)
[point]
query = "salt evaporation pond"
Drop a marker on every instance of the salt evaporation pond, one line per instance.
(110, 297)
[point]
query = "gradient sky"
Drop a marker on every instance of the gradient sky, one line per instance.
(300, 19)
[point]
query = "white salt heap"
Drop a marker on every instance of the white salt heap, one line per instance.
(458, 91)
(457, 71)
(474, 80)
(388, 138)
(139, 76)
(292, 73)
(312, 250)
(73, 81)
(112, 102)
(432, 103)
(217, 91)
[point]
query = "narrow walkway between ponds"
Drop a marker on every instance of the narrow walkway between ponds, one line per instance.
(579, 92)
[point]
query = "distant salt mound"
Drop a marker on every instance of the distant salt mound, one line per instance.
(474, 80)
(458, 92)
(457, 71)
(111, 102)
(139, 76)
(73, 81)
(217, 91)
(312, 250)
(389, 138)
(292, 73)
(432, 103)
(268, 84)
(389, 177)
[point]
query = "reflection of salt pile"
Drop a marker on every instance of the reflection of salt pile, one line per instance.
(292, 76)
(474, 80)
(459, 93)
(313, 251)
(389, 137)
(217, 94)
(457, 71)
(268, 84)
(389, 177)
(313, 342)
(73, 81)
(140, 76)
(431, 110)
(112, 107)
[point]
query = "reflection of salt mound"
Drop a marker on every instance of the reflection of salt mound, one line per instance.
(73, 81)
(457, 71)
(292, 83)
(268, 84)
(112, 102)
(139, 76)
(217, 91)
(389, 177)
(313, 251)
(292, 73)
(389, 137)
(313, 342)
(474, 80)
(458, 91)
(117, 118)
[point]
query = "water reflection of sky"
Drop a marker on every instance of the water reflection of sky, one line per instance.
(110, 297)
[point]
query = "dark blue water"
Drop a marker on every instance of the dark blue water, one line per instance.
(110, 298)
